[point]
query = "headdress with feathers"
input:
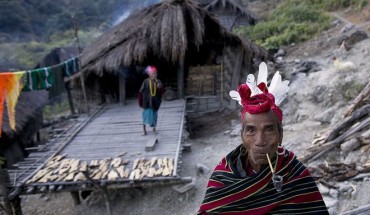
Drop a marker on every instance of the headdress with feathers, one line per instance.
(256, 97)
(151, 69)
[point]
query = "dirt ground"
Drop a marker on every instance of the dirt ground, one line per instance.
(212, 138)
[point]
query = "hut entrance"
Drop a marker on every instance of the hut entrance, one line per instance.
(129, 80)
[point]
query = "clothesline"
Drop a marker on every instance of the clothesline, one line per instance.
(12, 83)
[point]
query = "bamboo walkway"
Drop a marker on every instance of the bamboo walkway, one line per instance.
(113, 131)
(118, 130)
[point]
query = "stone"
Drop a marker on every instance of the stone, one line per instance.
(319, 94)
(352, 157)
(333, 193)
(325, 117)
(366, 134)
(345, 187)
(323, 189)
(330, 202)
(347, 28)
(186, 187)
(202, 168)
(356, 36)
(280, 53)
(186, 147)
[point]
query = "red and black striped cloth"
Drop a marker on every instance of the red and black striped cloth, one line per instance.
(229, 193)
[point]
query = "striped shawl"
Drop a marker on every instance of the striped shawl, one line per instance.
(229, 193)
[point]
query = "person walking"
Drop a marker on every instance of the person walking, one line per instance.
(150, 98)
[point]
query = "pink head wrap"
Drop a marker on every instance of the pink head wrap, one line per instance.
(151, 70)
(258, 103)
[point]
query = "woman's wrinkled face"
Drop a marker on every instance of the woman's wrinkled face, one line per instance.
(260, 135)
(153, 75)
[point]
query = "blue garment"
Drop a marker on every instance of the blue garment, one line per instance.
(150, 117)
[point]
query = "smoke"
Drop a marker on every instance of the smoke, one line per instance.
(127, 8)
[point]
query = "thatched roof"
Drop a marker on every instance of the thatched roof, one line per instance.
(230, 4)
(165, 31)
(28, 106)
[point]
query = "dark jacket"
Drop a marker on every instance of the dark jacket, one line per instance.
(146, 100)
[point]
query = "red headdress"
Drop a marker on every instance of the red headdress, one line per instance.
(151, 69)
(257, 97)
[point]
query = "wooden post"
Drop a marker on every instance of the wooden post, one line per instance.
(17, 208)
(11, 206)
(122, 88)
(76, 198)
(69, 95)
(75, 26)
(222, 82)
(4, 178)
(180, 78)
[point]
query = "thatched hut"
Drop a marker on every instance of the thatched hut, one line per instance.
(230, 14)
(183, 40)
(28, 122)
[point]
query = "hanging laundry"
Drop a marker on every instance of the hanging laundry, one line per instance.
(70, 67)
(11, 84)
(58, 87)
(10, 88)
(38, 79)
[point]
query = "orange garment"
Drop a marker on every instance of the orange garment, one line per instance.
(10, 88)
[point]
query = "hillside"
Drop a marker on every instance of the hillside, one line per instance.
(30, 29)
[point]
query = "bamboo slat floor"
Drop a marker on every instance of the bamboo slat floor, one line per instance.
(118, 129)
(114, 130)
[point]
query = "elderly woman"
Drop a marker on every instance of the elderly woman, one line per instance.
(150, 98)
(242, 183)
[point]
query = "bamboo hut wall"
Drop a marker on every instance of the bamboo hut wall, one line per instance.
(204, 80)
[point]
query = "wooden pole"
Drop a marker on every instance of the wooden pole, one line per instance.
(222, 82)
(67, 85)
(122, 88)
(180, 78)
(4, 178)
(76, 198)
(75, 27)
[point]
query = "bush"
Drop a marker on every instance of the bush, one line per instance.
(293, 21)
(332, 5)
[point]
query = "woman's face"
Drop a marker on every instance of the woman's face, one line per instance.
(153, 75)
(260, 136)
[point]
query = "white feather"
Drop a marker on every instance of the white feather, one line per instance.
(251, 82)
(274, 82)
(235, 95)
(262, 73)
(278, 88)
